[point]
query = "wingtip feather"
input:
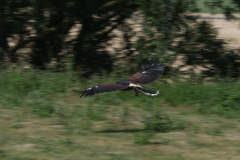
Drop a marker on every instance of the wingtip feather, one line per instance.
(153, 63)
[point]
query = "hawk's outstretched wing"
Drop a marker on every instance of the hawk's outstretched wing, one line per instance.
(150, 72)
(101, 88)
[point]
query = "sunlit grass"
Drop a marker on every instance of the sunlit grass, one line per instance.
(77, 134)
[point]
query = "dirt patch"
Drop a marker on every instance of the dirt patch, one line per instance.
(228, 30)
(22, 147)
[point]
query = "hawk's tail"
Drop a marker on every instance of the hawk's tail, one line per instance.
(148, 92)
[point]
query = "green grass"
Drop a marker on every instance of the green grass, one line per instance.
(41, 118)
(41, 90)
(35, 137)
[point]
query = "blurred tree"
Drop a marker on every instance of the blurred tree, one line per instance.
(167, 31)
(165, 23)
(13, 20)
(51, 20)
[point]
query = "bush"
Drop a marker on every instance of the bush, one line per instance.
(43, 108)
(143, 138)
(158, 123)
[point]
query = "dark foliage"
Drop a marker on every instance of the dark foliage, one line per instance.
(43, 27)
(169, 31)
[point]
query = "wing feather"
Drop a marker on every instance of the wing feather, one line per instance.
(101, 88)
(150, 72)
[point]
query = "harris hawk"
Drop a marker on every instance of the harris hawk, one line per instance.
(150, 73)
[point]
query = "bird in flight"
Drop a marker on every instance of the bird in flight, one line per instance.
(150, 73)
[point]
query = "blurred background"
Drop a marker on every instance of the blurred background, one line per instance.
(50, 47)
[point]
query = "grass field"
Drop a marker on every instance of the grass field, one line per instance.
(110, 135)
(41, 118)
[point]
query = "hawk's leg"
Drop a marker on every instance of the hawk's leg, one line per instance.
(136, 92)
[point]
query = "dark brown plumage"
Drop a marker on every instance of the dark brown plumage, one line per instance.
(150, 73)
